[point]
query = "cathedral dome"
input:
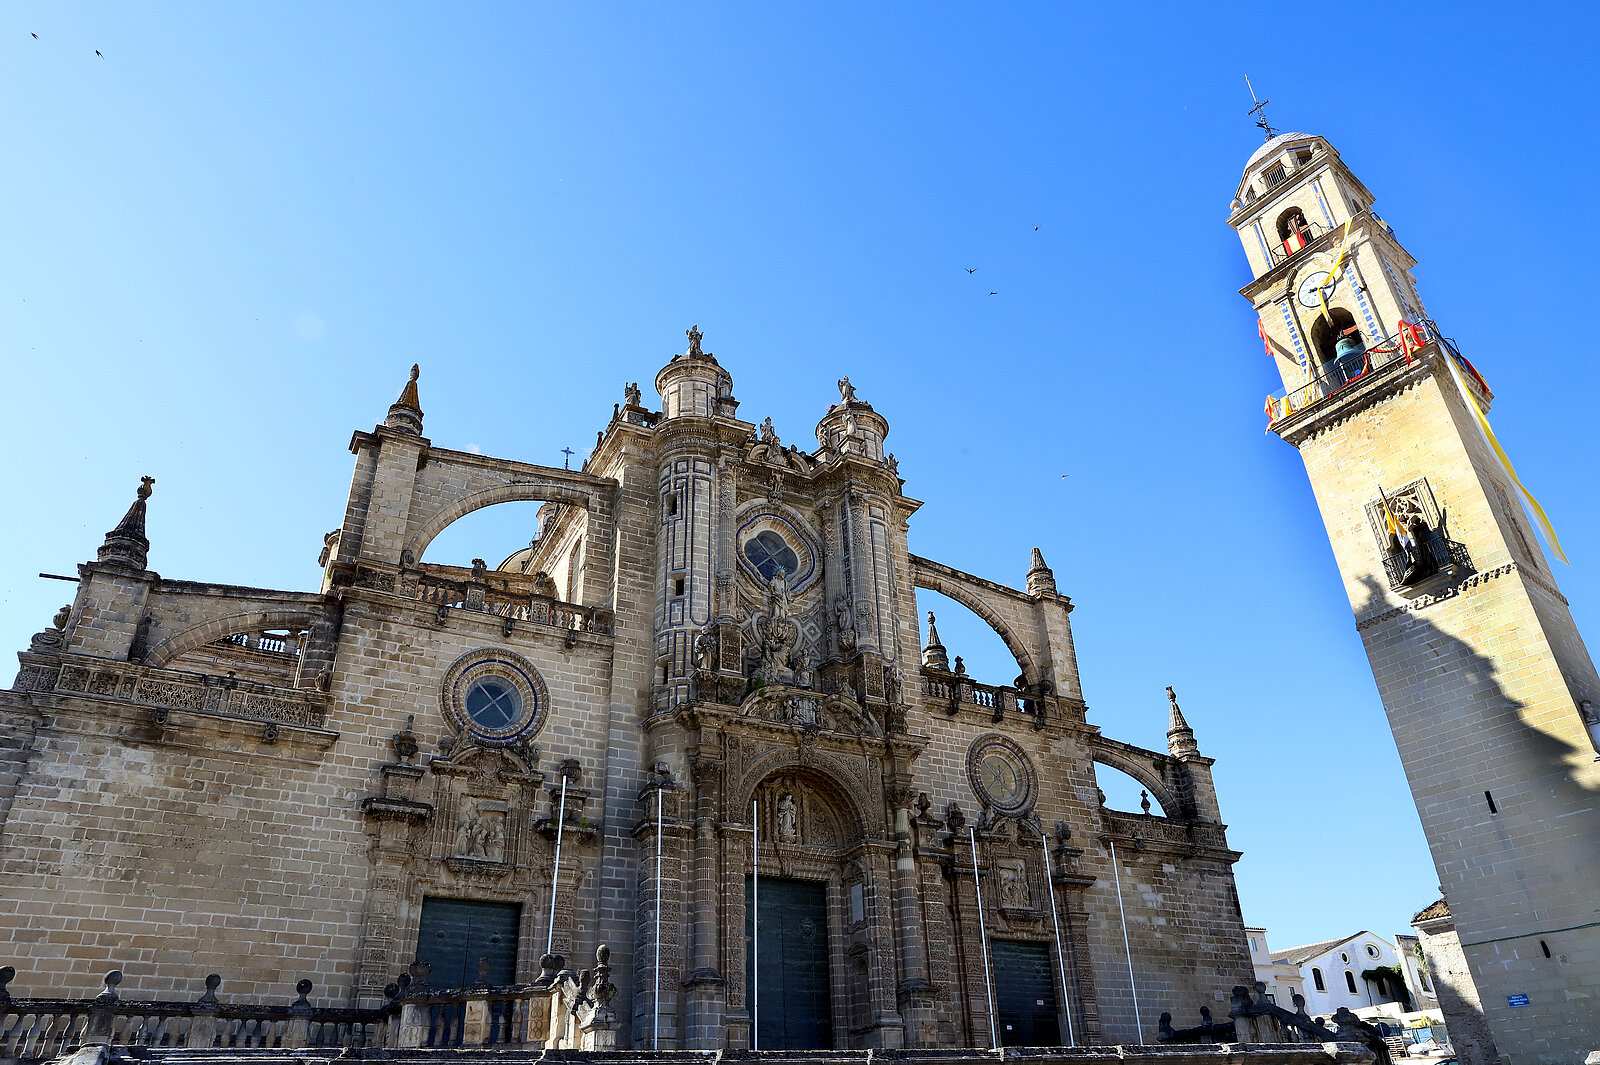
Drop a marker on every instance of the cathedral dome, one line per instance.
(1275, 145)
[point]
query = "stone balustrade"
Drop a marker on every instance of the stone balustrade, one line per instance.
(170, 689)
(561, 1010)
(445, 594)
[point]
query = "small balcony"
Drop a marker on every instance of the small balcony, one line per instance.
(1340, 373)
(1436, 559)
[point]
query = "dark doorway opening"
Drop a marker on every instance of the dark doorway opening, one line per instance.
(1024, 994)
(456, 934)
(791, 926)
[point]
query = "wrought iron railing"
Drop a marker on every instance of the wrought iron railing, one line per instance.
(1435, 553)
(1339, 374)
(1284, 249)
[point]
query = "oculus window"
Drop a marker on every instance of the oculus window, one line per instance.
(768, 553)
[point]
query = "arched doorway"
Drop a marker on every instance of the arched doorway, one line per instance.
(809, 906)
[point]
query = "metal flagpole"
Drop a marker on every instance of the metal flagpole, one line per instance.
(1061, 963)
(655, 1043)
(983, 938)
(555, 876)
(1126, 949)
(755, 939)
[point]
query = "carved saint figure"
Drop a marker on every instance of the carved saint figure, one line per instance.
(847, 391)
(694, 335)
(788, 820)
(630, 392)
(769, 435)
(705, 649)
(844, 624)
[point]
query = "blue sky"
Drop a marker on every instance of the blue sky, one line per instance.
(227, 240)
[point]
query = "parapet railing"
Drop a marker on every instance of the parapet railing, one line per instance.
(958, 688)
(561, 1009)
(447, 594)
(168, 689)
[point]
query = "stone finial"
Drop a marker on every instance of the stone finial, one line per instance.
(405, 414)
(1040, 577)
(126, 545)
(1180, 737)
(933, 652)
(209, 999)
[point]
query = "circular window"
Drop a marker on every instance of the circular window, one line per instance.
(493, 703)
(496, 695)
(1344, 957)
(1372, 951)
(769, 553)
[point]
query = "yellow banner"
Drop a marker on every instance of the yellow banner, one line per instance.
(1534, 508)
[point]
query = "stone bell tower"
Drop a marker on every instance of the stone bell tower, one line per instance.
(1487, 684)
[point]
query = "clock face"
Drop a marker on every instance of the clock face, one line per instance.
(1314, 288)
(1001, 775)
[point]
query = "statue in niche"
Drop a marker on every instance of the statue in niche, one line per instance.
(844, 624)
(847, 391)
(705, 649)
(630, 392)
(788, 819)
(769, 435)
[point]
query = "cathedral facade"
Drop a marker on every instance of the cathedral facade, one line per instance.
(697, 720)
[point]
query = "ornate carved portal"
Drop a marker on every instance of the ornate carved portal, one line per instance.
(810, 832)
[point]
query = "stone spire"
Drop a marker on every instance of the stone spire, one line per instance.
(933, 654)
(126, 544)
(1040, 577)
(405, 414)
(1180, 737)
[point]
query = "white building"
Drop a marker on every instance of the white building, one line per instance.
(1283, 981)
(1360, 972)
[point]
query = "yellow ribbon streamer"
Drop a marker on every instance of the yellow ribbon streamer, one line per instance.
(1322, 291)
(1505, 461)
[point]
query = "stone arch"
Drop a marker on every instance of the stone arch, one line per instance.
(185, 640)
(423, 529)
(1172, 804)
(933, 582)
(823, 768)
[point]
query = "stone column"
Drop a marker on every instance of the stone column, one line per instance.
(705, 986)
(914, 994)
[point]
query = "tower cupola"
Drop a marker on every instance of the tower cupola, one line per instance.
(694, 385)
(852, 427)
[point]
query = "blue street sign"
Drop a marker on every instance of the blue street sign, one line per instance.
(1517, 1000)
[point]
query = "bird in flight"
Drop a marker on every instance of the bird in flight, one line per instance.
(98, 53)
(971, 270)
(36, 36)
(994, 293)
(1036, 229)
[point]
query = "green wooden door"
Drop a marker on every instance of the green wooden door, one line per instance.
(456, 933)
(794, 1010)
(1024, 994)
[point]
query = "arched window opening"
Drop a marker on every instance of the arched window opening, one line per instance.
(1350, 981)
(1293, 230)
(1338, 345)
(1125, 794)
(970, 644)
(1316, 978)
(574, 574)
(266, 656)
